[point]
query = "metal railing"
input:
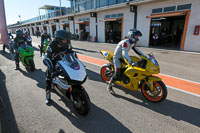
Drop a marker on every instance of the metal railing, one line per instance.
(45, 17)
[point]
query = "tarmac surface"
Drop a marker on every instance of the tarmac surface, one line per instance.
(23, 108)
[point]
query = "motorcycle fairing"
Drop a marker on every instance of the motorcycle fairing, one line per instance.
(78, 75)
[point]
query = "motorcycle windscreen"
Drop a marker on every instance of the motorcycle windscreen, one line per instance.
(73, 67)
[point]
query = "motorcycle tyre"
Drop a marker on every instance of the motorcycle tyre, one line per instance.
(103, 77)
(81, 94)
(152, 99)
(32, 65)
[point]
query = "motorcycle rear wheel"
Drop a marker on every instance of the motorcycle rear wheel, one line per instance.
(106, 73)
(81, 102)
(159, 93)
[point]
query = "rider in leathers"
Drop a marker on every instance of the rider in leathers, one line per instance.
(61, 43)
(20, 39)
(121, 52)
(44, 37)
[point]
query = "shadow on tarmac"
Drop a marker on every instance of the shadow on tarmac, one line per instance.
(7, 55)
(37, 75)
(85, 50)
(93, 75)
(61, 131)
(97, 121)
(7, 118)
(170, 108)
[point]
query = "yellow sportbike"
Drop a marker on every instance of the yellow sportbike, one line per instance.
(138, 77)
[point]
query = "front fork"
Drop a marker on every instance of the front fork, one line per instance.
(149, 80)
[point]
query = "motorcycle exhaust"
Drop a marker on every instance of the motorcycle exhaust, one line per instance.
(57, 81)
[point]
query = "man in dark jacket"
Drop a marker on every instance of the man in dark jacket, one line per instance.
(18, 41)
(61, 43)
(44, 37)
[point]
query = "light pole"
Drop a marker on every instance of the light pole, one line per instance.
(19, 19)
(60, 8)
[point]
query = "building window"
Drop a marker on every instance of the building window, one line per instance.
(184, 7)
(103, 3)
(113, 15)
(82, 5)
(120, 15)
(107, 16)
(157, 10)
(121, 1)
(112, 2)
(84, 19)
(170, 9)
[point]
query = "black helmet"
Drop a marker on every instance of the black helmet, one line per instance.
(132, 33)
(62, 35)
(19, 33)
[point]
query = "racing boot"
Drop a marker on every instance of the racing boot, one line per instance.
(115, 77)
(17, 67)
(4, 47)
(48, 97)
(110, 89)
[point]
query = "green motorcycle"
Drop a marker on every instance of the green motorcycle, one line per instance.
(26, 54)
(46, 43)
(44, 49)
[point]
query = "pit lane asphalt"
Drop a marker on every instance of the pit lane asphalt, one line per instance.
(23, 97)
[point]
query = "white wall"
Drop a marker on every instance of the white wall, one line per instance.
(71, 25)
(30, 29)
(92, 27)
(128, 21)
(60, 23)
(50, 28)
(192, 43)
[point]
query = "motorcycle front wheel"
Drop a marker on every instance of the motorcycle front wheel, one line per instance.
(158, 94)
(81, 101)
(32, 65)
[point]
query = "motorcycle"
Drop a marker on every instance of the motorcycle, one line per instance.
(44, 49)
(9, 46)
(139, 77)
(29, 41)
(26, 54)
(71, 74)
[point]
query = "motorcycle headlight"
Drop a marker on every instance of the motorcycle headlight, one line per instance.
(154, 62)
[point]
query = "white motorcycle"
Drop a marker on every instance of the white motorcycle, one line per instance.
(29, 41)
(68, 83)
(9, 46)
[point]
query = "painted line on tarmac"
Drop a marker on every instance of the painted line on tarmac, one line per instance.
(183, 85)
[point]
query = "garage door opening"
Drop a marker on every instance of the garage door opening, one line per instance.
(33, 33)
(66, 27)
(113, 31)
(167, 32)
(53, 30)
(45, 28)
(84, 31)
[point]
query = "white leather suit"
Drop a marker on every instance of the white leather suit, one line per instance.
(121, 52)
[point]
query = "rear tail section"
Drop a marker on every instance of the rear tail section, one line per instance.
(108, 55)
